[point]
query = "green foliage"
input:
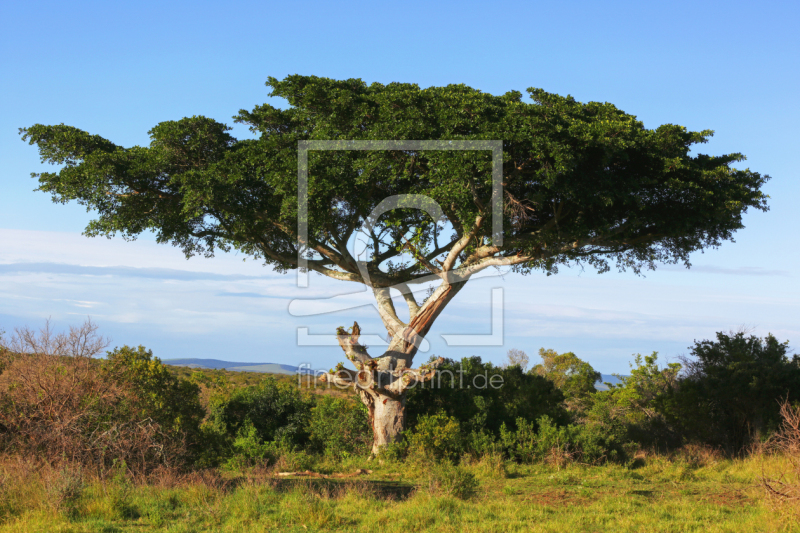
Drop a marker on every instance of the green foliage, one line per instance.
(466, 391)
(574, 377)
(119, 496)
(394, 451)
(642, 390)
(585, 174)
(437, 436)
(339, 427)
(481, 443)
(250, 449)
(633, 410)
(157, 394)
(520, 444)
(65, 488)
(277, 412)
(731, 394)
(546, 441)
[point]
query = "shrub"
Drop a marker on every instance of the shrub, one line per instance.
(277, 412)
(60, 404)
(156, 394)
(119, 495)
(545, 441)
(294, 460)
(250, 449)
(394, 451)
(340, 427)
(59, 407)
(520, 444)
(460, 390)
(634, 410)
(480, 443)
(437, 436)
(731, 393)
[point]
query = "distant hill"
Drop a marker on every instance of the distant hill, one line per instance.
(216, 364)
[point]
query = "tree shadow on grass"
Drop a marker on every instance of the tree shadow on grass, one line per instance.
(337, 488)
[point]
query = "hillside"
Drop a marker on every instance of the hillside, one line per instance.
(217, 364)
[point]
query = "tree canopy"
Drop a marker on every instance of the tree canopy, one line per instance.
(575, 377)
(581, 181)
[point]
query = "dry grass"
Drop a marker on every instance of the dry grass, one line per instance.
(698, 455)
(783, 487)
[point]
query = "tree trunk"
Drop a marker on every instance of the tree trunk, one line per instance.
(382, 382)
(387, 416)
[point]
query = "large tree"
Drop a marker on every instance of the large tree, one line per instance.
(581, 183)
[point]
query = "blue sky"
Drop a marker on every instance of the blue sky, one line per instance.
(118, 69)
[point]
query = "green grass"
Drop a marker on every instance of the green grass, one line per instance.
(659, 495)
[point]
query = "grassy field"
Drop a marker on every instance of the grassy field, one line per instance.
(653, 494)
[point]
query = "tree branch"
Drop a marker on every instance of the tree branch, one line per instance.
(408, 296)
(421, 259)
(461, 244)
(410, 377)
(387, 311)
(354, 351)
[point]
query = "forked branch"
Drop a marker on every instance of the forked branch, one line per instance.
(354, 351)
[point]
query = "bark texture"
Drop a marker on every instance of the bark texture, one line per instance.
(387, 416)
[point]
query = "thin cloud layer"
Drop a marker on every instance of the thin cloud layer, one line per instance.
(224, 308)
(118, 271)
(740, 271)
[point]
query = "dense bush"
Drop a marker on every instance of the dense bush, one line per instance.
(545, 441)
(156, 394)
(463, 391)
(731, 393)
(58, 406)
(340, 427)
(248, 448)
(634, 410)
(437, 436)
(59, 403)
(269, 412)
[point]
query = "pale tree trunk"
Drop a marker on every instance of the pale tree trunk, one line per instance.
(382, 382)
(387, 418)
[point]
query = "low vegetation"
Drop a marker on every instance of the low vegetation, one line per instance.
(125, 443)
(658, 493)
